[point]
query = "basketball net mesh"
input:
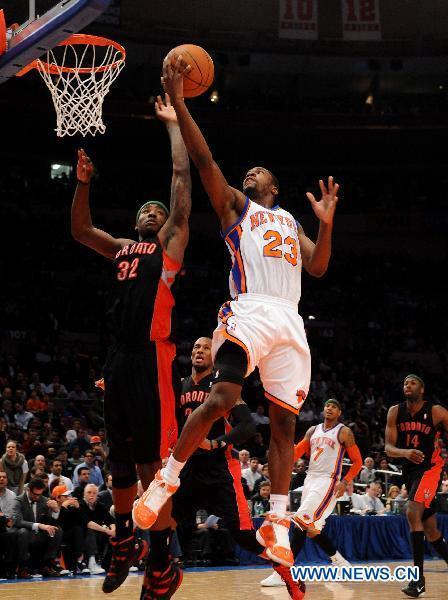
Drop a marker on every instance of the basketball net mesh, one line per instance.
(78, 92)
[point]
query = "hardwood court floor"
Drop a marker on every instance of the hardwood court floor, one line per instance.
(242, 584)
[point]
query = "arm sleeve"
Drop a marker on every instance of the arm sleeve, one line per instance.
(356, 458)
(302, 448)
(244, 428)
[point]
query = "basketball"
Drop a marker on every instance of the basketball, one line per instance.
(199, 79)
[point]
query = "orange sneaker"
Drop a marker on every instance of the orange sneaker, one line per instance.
(274, 536)
(296, 589)
(146, 509)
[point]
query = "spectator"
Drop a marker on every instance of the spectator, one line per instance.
(244, 456)
(21, 416)
(83, 480)
(444, 487)
(105, 496)
(3, 435)
(394, 492)
(78, 396)
(299, 474)
(96, 476)
(372, 504)
(251, 475)
(81, 442)
(367, 474)
(264, 478)
(260, 502)
(72, 433)
(56, 473)
(356, 500)
(34, 403)
(100, 527)
(16, 467)
(8, 535)
(39, 463)
(70, 519)
(258, 447)
(56, 388)
(36, 536)
(8, 408)
(259, 417)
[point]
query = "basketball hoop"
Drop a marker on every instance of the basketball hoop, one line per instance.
(79, 72)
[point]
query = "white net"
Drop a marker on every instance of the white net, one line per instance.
(79, 79)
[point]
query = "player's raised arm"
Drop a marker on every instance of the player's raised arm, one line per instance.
(317, 256)
(391, 436)
(227, 202)
(83, 229)
(174, 234)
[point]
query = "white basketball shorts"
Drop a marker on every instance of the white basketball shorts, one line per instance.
(272, 333)
(318, 501)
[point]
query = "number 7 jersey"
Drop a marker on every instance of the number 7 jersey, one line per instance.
(265, 251)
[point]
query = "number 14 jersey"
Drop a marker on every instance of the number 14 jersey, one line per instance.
(265, 252)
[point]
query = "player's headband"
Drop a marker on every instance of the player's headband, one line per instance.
(161, 204)
(415, 377)
(333, 401)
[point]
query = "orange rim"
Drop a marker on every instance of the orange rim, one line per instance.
(74, 40)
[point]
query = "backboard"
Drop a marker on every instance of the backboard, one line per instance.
(30, 40)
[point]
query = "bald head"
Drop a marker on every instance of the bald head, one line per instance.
(201, 355)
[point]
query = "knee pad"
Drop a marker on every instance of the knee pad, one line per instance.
(124, 474)
(230, 364)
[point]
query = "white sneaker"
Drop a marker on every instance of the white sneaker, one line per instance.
(94, 567)
(133, 569)
(339, 561)
(274, 580)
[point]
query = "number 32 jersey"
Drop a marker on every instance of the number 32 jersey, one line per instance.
(265, 252)
(143, 302)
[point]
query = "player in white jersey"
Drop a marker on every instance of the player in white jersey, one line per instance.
(326, 445)
(260, 325)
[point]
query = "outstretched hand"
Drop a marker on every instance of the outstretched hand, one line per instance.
(324, 208)
(84, 168)
(173, 76)
(164, 110)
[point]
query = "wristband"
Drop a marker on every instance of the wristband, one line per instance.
(82, 182)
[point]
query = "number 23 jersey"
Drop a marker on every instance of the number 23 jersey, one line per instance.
(265, 252)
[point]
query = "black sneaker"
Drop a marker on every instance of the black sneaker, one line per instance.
(124, 554)
(414, 589)
(63, 572)
(82, 568)
(163, 584)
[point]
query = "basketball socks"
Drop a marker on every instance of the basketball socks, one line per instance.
(418, 549)
(324, 542)
(171, 472)
(159, 554)
(124, 525)
(278, 503)
(441, 547)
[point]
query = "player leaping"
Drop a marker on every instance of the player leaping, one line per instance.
(140, 382)
(260, 326)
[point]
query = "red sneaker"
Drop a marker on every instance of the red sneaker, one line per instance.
(296, 589)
